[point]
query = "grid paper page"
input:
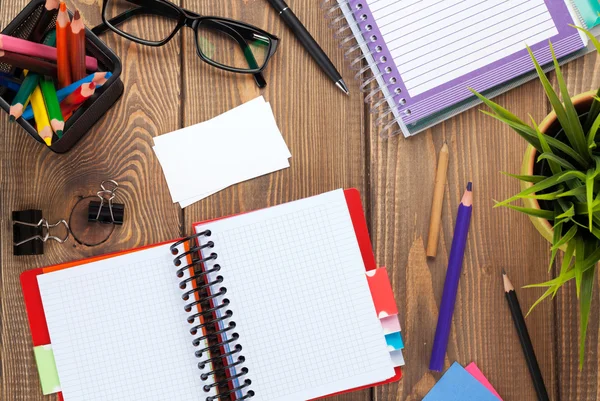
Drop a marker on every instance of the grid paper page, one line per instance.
(435, 41)
(300, 299)
(119, 331)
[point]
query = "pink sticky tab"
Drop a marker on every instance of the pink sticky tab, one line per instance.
(382, 293)
(480, 377)
(390, 324)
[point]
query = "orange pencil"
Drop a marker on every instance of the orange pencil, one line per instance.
(77, 48)
(76, 99)
(63, 24)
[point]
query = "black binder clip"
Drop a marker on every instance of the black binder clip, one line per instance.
(105, 211)
(31, 230)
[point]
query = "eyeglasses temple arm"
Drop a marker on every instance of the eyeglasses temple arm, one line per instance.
(121, 18)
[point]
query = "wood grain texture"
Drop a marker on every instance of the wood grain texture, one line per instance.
(334, 144)
(402, 177)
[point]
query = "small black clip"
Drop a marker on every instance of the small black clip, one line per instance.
(114, 213)
(31, 230)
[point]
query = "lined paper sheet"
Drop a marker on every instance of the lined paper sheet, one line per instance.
(435, 41)
(300, 299)
(119, 331)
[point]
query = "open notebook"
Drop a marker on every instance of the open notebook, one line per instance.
(425, 54)
(289, 312)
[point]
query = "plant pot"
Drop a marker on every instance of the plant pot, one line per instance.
(549, 126)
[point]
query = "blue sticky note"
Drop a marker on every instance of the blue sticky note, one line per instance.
(458, 385)
(394, 341)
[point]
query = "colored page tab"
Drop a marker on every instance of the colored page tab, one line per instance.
(394, 341)
(474, 370)
(381, 290)
(397, 358)
(390, 324)
(458, 385)
(44, 358)
(589, 9)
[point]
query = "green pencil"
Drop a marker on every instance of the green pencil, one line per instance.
(29, 84)
(57, 122)
(22, 97)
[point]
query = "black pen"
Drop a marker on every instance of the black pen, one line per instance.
(309, 43)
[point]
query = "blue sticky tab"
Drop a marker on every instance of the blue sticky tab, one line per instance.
(458, 385)
(394, 341)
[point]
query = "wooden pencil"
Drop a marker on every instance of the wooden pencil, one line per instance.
(519, 321)
(42, 121)
(99, 78)
(76, 99)
(22, 97)
(28, 63)
(63, 24)
(77, 48)
(57, 121)
(39, 50)
(45, 19)
(438, 199)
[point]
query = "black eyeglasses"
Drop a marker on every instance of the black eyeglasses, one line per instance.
(223, 43)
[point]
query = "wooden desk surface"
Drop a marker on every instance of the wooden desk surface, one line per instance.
(334, 144)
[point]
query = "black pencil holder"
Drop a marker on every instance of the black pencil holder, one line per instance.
(94, 108)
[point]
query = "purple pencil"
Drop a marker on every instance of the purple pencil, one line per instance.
(455, 262)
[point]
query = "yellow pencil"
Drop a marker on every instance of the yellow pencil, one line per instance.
(40, 114)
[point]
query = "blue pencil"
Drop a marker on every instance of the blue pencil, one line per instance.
(8, 81)
(455, 262)
(99, 78)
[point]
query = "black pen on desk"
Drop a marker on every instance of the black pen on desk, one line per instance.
(309, 43)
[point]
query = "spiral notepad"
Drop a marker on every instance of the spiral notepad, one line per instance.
(424, 55)
(271, 305)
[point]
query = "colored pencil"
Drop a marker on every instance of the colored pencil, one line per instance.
(45, 19)
(29, 84)
(21, 99)
(41, 116)
(39, 50)
(28, 63)
(519, 321)
(455, 262)
(57, 122)
(436, 206)
(77, 48)
(99, 78)
(76, 99)
(63, 24)
(9, 83)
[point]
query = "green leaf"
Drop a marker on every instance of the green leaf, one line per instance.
(553, 161)
(589, 186)
(556, 160)
(548, 196)
(585, 303)
(527, 178)
(499, 110)
(592, 115)
(594, 126)
(579, 257)
(574, 124)
(565, 238)
(545, 184)
(570, 212)
(573, 192)
(556, 237)
(541, 213)
(546, 294)
(590, 36)
(561, 114)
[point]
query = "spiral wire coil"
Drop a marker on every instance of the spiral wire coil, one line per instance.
(380, 87)
(221, 353)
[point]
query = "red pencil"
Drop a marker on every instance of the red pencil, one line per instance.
(77, 48)
(76, 99)
(62, 46)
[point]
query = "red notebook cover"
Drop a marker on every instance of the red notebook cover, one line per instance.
(35, 308)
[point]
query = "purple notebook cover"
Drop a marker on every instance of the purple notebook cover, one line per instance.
(441, 97)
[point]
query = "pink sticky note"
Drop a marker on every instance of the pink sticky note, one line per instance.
(390, 324)
(479, 376)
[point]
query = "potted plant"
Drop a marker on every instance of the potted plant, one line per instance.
(560, 181)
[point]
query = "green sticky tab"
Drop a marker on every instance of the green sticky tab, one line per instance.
(44, 357)
(589, 9)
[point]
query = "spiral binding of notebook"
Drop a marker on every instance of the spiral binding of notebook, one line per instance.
(357, 33)
(215, 323)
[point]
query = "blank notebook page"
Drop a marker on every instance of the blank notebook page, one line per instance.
(435, 41)
(119, 331)
(296, 283)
